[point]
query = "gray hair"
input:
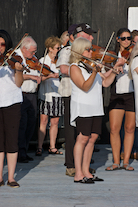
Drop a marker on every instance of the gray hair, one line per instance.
(28, 42)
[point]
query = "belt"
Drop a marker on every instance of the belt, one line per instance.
(28, 92)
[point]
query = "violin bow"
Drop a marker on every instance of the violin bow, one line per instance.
(26, 34)
(98, 34)
(93, 61)
(43, 61)
(107, 47)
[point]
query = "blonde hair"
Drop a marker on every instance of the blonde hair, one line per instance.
(132, 56)
(134, 33)
(51, 42)
(77, 48)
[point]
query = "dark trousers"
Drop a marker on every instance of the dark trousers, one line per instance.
(70, 135)
(27, 122)
(9, 126)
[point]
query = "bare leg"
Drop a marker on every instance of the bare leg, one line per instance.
(129, 127)
(42, 130)
(11, 161)
(1, 165)
(116, 118)
(80, 144)
(53, 132)
(87, 155)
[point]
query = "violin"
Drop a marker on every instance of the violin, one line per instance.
(36, 65)
(97, 53)
(11, 60)
(90, 65)
(11, 57)
(127, 51)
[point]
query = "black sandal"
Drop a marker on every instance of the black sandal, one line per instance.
(56, 152)
(38, 152)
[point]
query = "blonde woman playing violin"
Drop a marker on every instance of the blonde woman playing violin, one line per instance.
(86, 108)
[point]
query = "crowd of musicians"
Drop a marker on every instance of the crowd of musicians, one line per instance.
(67, 81)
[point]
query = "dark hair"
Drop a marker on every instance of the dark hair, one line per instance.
(120, 31)
(8, 41)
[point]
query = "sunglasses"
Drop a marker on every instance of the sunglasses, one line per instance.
(58, 48)
(2, 44)
(124, 38)
(89, 49)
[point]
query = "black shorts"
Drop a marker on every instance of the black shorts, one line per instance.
(89, 125)
(122, 101)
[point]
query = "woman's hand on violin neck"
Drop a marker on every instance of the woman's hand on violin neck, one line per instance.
(18, 66)
(51, 75)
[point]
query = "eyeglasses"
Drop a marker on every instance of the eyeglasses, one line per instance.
(89, 49)
(58, 48)
(124, 38)
(2, 44)
(33, 52)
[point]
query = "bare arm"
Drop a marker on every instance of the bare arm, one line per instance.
(18, 74)
(64, 69)
(110, 75)
(78, 79)
(32, 77)
(136, 69)
(51, 75)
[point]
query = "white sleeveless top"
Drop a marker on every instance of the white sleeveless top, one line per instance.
(86, 104)
(134, 65)
(124, 83)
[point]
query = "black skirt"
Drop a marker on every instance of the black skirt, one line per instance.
(54, 108)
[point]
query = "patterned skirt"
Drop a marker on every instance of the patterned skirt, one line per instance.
(54, 108)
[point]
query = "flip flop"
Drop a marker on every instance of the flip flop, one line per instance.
(85, 181)
(111, 167)
(127, 167)
(56, 152)
(95, 178)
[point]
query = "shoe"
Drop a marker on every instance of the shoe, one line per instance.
(29, 158)
(13, 184)
(22, 160)
(85, 180)
(70, 172)
(127, 167)
(95, 178)
(92, 171)
(2, 183)
(55, 153)
(111, 168)
(38, 152)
